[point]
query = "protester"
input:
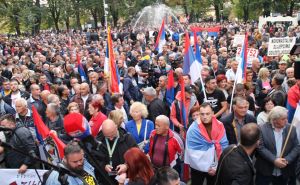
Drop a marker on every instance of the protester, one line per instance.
(139, 171)
(20, 138)
(75, 162)
(139, 127)
(234, 121)
(235, 166)
(205, 141)
(276, 158)
(165, 145)
(97, 117)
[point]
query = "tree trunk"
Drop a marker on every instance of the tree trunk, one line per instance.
(56, 25)
(291, 8)
(78, 24)
(95, 17)
(38, 19)
(67, 21)
(246, 13)
(17, 26)
(185, 8)
(217, 10)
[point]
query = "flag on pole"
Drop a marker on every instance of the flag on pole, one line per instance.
(197, 49)
(80, 69)
(182, 104)
(242, 68)
(106, 62)
(114, 73)
(44, 131)
(170, 92)
(161, 38)
(190, 65)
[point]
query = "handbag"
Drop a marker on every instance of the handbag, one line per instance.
(142, 144)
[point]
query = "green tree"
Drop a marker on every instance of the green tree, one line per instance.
(55, 9)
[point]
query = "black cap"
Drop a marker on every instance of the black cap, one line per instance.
(188, 89)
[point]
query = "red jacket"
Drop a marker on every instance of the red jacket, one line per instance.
(96, 123)
(174, 147)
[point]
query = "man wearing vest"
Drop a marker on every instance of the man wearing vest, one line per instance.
(165, 145)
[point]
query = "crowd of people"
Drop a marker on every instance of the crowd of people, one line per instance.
(137, 136)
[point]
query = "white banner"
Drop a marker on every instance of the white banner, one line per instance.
(238, 40)
(280, 46)
(12, 177)
(252, 54)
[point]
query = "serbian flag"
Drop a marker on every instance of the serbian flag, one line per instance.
(80, 69)
(197, 49)
(161, 38)
(183, 115)
(106, 62)
(211, 31)
(242, 67)
(44, 132)
(114, 73)
(170, 92)
(190, 65)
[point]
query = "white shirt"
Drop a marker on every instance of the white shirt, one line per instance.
(13, 99)
(124, 113)
(84, 98)
(230, 75)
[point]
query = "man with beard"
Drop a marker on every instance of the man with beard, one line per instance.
(75, 162)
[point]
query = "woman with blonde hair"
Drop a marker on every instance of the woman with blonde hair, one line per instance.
(118, 117)
(263, 85)
(140, 127)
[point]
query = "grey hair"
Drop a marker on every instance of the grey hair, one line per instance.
(22, 101)
(54, 108)
(276, 113)
(163, 118)
(51, 98)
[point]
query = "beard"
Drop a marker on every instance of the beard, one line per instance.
(77, 170)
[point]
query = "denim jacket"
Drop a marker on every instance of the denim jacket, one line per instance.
(53, 177)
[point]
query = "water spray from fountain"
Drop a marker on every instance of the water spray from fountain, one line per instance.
(151, 17)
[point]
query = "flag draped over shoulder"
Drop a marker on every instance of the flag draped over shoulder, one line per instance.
(161, 37)
(113, 71)
(80, 69)
(201, 150)
(170, 92)
(190, 65)
(44, 131)
(211, 31)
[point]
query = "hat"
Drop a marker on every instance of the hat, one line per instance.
(282, 62)
(149, 91)
(76, 125)
(188, 89)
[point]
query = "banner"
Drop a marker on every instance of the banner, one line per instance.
(238, 40)
(280, 46)
(252, 54)
(12, 177)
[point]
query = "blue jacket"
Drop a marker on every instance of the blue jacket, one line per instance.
(53, 177)
(131, 90)
(131, 128)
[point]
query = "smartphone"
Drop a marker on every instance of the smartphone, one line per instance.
(113, 173)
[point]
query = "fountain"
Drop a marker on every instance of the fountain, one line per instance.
(151, 17)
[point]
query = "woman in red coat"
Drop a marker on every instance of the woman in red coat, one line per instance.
(97, 117)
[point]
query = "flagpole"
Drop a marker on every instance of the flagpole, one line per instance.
(233, 89)
(203, 87)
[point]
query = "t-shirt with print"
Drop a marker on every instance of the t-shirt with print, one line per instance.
(214, 99)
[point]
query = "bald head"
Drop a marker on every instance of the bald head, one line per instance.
(109, 129)
(84, 89)
(250, 134)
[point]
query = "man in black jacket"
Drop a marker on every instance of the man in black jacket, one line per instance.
(235, 120)
(15, 93)
(19, 138)
(235, 165)
(113, 147)
(156, 106)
